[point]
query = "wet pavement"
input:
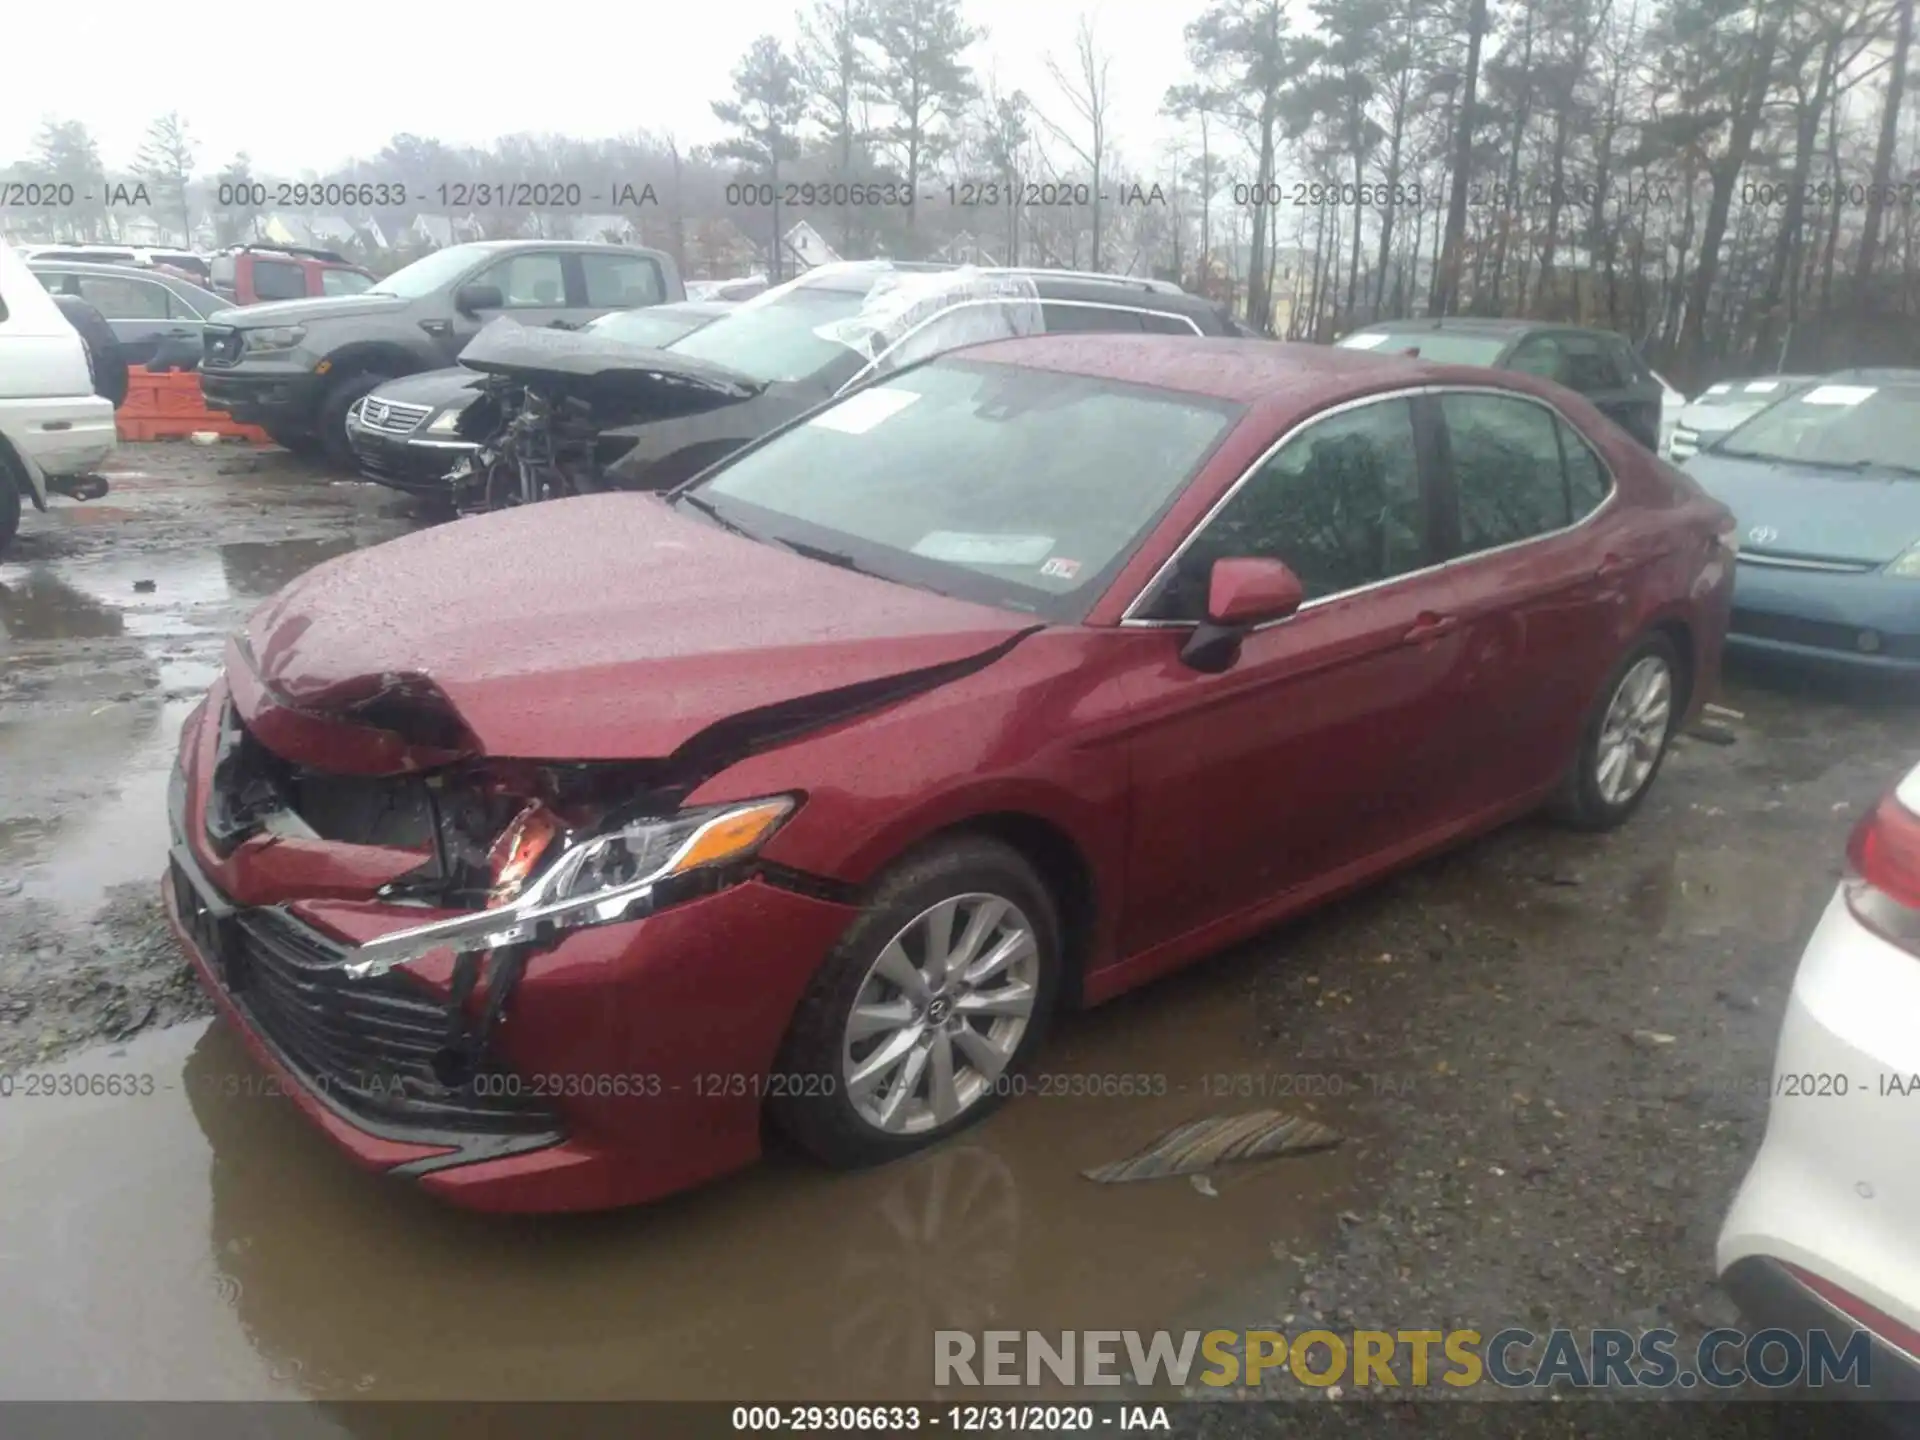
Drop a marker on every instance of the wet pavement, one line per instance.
(1513, 1155)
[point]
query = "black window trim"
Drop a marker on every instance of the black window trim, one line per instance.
(1435, 477)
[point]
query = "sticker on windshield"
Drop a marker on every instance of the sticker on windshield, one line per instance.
(1060, 568)
(957, 547)
(1364, 342)
(1838, 394)
(864, 409)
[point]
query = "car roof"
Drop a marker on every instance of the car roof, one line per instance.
(1221, 367)
(106, 267)
(602, 246)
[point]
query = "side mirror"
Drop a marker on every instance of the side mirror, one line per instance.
(469, 298)
(1242, 592)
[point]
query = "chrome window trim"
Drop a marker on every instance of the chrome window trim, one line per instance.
(1129, 620)
(1795, 562)
(873, 365)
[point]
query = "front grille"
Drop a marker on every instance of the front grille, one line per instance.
(1820, 634)
(220, 347)
(390, 418)
(368, 1045)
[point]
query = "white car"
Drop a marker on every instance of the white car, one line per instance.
(1825, 1231)
(52, 424)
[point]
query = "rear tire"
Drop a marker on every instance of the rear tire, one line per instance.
(12, 483)
(333, 415)
(988, 892)
(1625, 739)
(106, 363)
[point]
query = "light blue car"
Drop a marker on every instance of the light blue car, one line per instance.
(1825, 486)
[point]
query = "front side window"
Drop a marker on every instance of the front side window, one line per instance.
(278, 280)
(1340, 504)
(533, 280)
(621, 282)
(1017, 487)
(1507, 475)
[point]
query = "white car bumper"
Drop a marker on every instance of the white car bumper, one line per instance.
(1835, 1189)
(65, 435)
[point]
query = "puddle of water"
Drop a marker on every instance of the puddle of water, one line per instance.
(203, 1240)
(116, 836)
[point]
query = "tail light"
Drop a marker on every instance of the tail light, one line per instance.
(1883, 890)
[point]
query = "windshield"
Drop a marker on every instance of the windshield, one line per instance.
(203, 300)
(1836, 425)
(1016, 487)
(430, 272)
(1435, 345)
(649, 328)
(771, 337)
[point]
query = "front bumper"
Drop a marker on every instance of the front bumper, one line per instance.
(630, 1063)
(419, 465)
(273, 395)
(1861, 620)
(1836, 1184)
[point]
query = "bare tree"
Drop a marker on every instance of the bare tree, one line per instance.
(1088, 91)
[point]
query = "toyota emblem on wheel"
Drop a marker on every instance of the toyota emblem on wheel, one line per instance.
(1763, 534)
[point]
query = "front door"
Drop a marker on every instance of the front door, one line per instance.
(533, 291)
(1320, 746)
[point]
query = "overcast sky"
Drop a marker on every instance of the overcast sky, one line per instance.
(307, 88)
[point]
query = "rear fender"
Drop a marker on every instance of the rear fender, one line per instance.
(36, 488)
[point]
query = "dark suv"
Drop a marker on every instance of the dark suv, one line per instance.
(1597, 364)
(779, 353)
(297, 368)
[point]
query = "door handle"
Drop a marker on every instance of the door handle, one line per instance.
(1430, 626)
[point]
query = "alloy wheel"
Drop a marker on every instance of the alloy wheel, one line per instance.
(940, 1013)
(1634, 731)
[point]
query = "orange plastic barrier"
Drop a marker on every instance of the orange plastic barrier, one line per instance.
(169, 406)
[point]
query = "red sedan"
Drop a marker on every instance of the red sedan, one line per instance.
(542, 856)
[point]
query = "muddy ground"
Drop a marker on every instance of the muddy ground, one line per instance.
(1516, 1155)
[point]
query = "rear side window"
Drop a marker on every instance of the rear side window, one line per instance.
(1508, 480)
(1063, 318)
(621, 282)
(1587, 482)
(278, 280)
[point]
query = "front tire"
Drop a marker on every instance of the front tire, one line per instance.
(934, 998)
(333, 416)
(106, 362)
(1625, 738)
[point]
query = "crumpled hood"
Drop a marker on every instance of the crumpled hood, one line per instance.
(605, 627)
(1820, 514)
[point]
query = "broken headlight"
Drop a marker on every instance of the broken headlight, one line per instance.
(546, 881)
(653, 850)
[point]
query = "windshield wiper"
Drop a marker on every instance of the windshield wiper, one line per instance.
(711, 511)
(1858, 466)
(823, 555)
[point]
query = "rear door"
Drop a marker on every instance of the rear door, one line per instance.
(1538, 581)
